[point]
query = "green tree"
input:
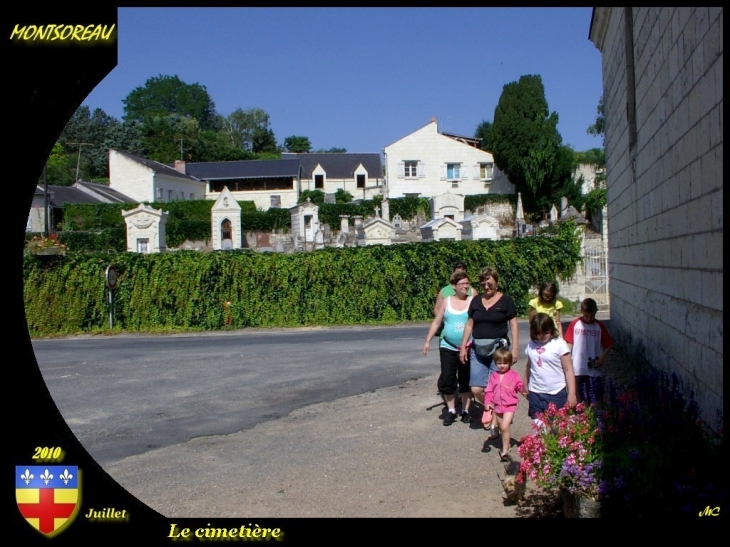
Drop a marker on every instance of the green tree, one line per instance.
(297, 144)
(598, 128)
(163, 95)
(483, 131)
(167, 138)
(88, 136)
(60, 167)
(213, 146)
(598, 159)
(264, 142)
(563, 183)
(244, 126)
(525, 141)
(332, 150)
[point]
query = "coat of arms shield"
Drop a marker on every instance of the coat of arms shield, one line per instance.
(48, 496)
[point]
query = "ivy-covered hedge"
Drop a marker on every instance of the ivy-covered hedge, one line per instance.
(188, 290)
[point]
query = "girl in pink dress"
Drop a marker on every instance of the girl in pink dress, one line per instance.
(501, 396)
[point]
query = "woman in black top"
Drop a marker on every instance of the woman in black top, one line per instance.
(492, 316)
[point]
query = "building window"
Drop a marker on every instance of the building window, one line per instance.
(158, 193)
(192, 196)
(361, 181)
(411, 168)
(319, 181)
(486, 171)
(143, 245)
(169, 195)
(453, 171)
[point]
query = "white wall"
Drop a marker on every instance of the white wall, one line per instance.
(433, 151)
(666, 206)
(130, 177)
(262, 199)
(181, 189)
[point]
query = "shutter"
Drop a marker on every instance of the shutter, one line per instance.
(443, 172)
(401, 169)
(464, 171)
(476, 171)
(421, 170)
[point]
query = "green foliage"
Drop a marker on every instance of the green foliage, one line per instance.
(484, 132)
(188, 290)
(594, 156)
(525, 141)
(165, 95)
(596, 199)
(273, 219)
(60, 168)
(343, 196)
(297, 144)
(598, 128)
(84, 144)
(333, 150)
(105, 240)
(240, 127)
(186, 220)
(315, 196)
(168, 137)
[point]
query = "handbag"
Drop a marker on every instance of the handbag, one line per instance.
(485, 347)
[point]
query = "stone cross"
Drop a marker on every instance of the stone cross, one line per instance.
(377, 211)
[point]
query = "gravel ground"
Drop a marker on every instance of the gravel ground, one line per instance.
(379, 454)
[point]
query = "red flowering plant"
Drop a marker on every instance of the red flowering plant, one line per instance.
(38, 244)
(565, 451)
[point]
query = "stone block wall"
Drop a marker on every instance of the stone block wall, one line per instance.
(665, 189)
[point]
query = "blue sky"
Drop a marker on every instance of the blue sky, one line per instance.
(362, 78)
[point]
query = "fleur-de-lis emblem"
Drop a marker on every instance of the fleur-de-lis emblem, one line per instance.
(66, 477)
(46, 477)
(27, 476)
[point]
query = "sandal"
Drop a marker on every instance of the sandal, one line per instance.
(504, 456)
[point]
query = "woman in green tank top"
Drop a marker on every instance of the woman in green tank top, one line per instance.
(454, 377)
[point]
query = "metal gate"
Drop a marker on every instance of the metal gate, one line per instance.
(596, 272)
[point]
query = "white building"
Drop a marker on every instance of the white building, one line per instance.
(663, 98)
(427, 163)
(151, 181)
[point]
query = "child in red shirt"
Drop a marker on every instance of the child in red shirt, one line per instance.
(501, 396)
(590, 342)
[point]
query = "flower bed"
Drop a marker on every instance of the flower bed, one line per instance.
(46, 245)
(640, 448)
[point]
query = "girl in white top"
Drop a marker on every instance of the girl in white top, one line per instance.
(549, 373)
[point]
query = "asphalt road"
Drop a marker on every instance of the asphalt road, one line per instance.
(129, 394)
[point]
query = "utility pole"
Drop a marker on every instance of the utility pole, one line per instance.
(78, 161)
(47, 200)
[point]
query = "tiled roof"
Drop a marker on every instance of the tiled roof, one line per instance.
(156, 166)
(248, 169)
(106, 194)
(67, 194)
(339, 166)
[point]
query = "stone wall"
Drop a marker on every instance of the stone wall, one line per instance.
(665, 198)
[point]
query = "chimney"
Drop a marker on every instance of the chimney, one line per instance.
(180, 166)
